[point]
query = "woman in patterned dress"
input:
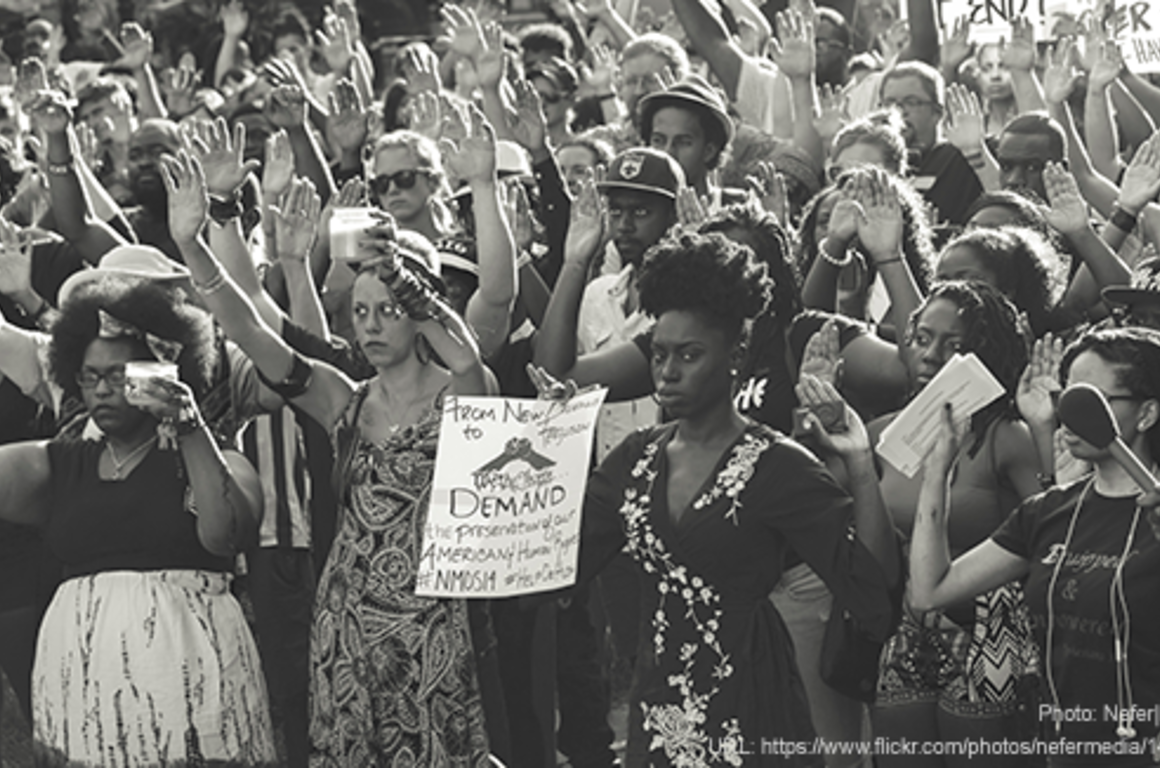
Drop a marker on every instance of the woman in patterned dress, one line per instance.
(144, 656)
(393, 675)
(708, 505)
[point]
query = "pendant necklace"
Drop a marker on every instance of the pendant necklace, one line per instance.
(119, 465)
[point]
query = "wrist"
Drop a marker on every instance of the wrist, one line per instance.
(860, 462)
(1124, 217)
(27, 300)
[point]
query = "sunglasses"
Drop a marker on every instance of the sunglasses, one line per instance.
(381, 185)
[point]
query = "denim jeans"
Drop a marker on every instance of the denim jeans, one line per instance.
(804, 602)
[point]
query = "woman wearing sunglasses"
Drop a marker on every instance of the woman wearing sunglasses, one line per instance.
(393, 675)
(407, 181)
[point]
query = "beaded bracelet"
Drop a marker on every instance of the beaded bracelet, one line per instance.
(825, 253)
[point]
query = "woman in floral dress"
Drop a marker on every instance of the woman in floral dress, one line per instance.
(393, 675)
(708, 505)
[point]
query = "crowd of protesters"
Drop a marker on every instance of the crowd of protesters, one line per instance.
(249, 249)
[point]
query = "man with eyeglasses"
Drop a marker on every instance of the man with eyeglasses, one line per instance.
(940, 172)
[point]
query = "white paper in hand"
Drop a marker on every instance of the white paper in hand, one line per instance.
(965, 383)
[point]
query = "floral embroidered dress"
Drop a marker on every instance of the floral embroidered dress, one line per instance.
(716, 683)
(393, 678)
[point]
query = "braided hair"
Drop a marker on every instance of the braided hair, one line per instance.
(991, 330)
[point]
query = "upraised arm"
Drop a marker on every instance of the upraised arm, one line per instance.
(318, 389)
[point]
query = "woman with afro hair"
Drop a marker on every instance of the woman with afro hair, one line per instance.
(144, 656)
(708, 505)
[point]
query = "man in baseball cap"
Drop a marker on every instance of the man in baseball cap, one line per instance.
(689, 122)
(641, 188)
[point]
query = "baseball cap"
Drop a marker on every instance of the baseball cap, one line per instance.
(694, 92)
(1143, 289)
(644, 170)
(140, 261)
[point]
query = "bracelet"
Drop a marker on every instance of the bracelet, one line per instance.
(296, 382)
(825, 254)
(63, 169)
(1122, 220)
(213, 285)
(1046, 480)
(188, 421)
(222, 210)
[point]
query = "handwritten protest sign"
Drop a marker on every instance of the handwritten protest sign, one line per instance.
(990, 19)
(1136, 27)
(504, 517)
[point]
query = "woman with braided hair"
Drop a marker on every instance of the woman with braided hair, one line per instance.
(924, 690)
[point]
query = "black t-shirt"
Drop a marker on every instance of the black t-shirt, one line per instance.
(1078, 615)
(947, 181)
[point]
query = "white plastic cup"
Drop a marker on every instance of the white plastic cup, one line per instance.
(347, 227)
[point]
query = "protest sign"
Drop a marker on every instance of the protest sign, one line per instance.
(1136, 27)
(965, 383)
(990, 19)
(504, 517)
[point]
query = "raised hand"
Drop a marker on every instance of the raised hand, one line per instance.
(426, 115)
(50, 112)
(1107, 64)
(812, 392)
(182, 86)
(234, 18)
(587, 224)
(599, 78)
(822, 357)
(880, 224)
(286, 107)
(472, 158)
(336, 43)
(89, 147)
(1067, 212)
(490, 59)
(965, 129)
(843, 224)
(794, 52)
(296, 221)
(1061, 75)
(15, 260)
(464, 30)
(1141, 180)
(769, 187)
(187, 195)
(220, 156)
(957, 48)
(834, 112)
(527, 124)
(1019, 53)
(278, 169)
(348, 13)
(422, 70)
(137, 44)
(347, 124)
(1039, 383)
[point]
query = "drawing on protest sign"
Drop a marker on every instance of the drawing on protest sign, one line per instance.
(990, 19)
(504, 517)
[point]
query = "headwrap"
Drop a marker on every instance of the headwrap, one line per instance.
(163, 350)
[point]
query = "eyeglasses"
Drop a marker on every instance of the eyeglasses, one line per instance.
(909, 104)
(89, 378)
(381, 185)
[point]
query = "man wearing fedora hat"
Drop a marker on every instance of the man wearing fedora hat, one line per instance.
(689, 122)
